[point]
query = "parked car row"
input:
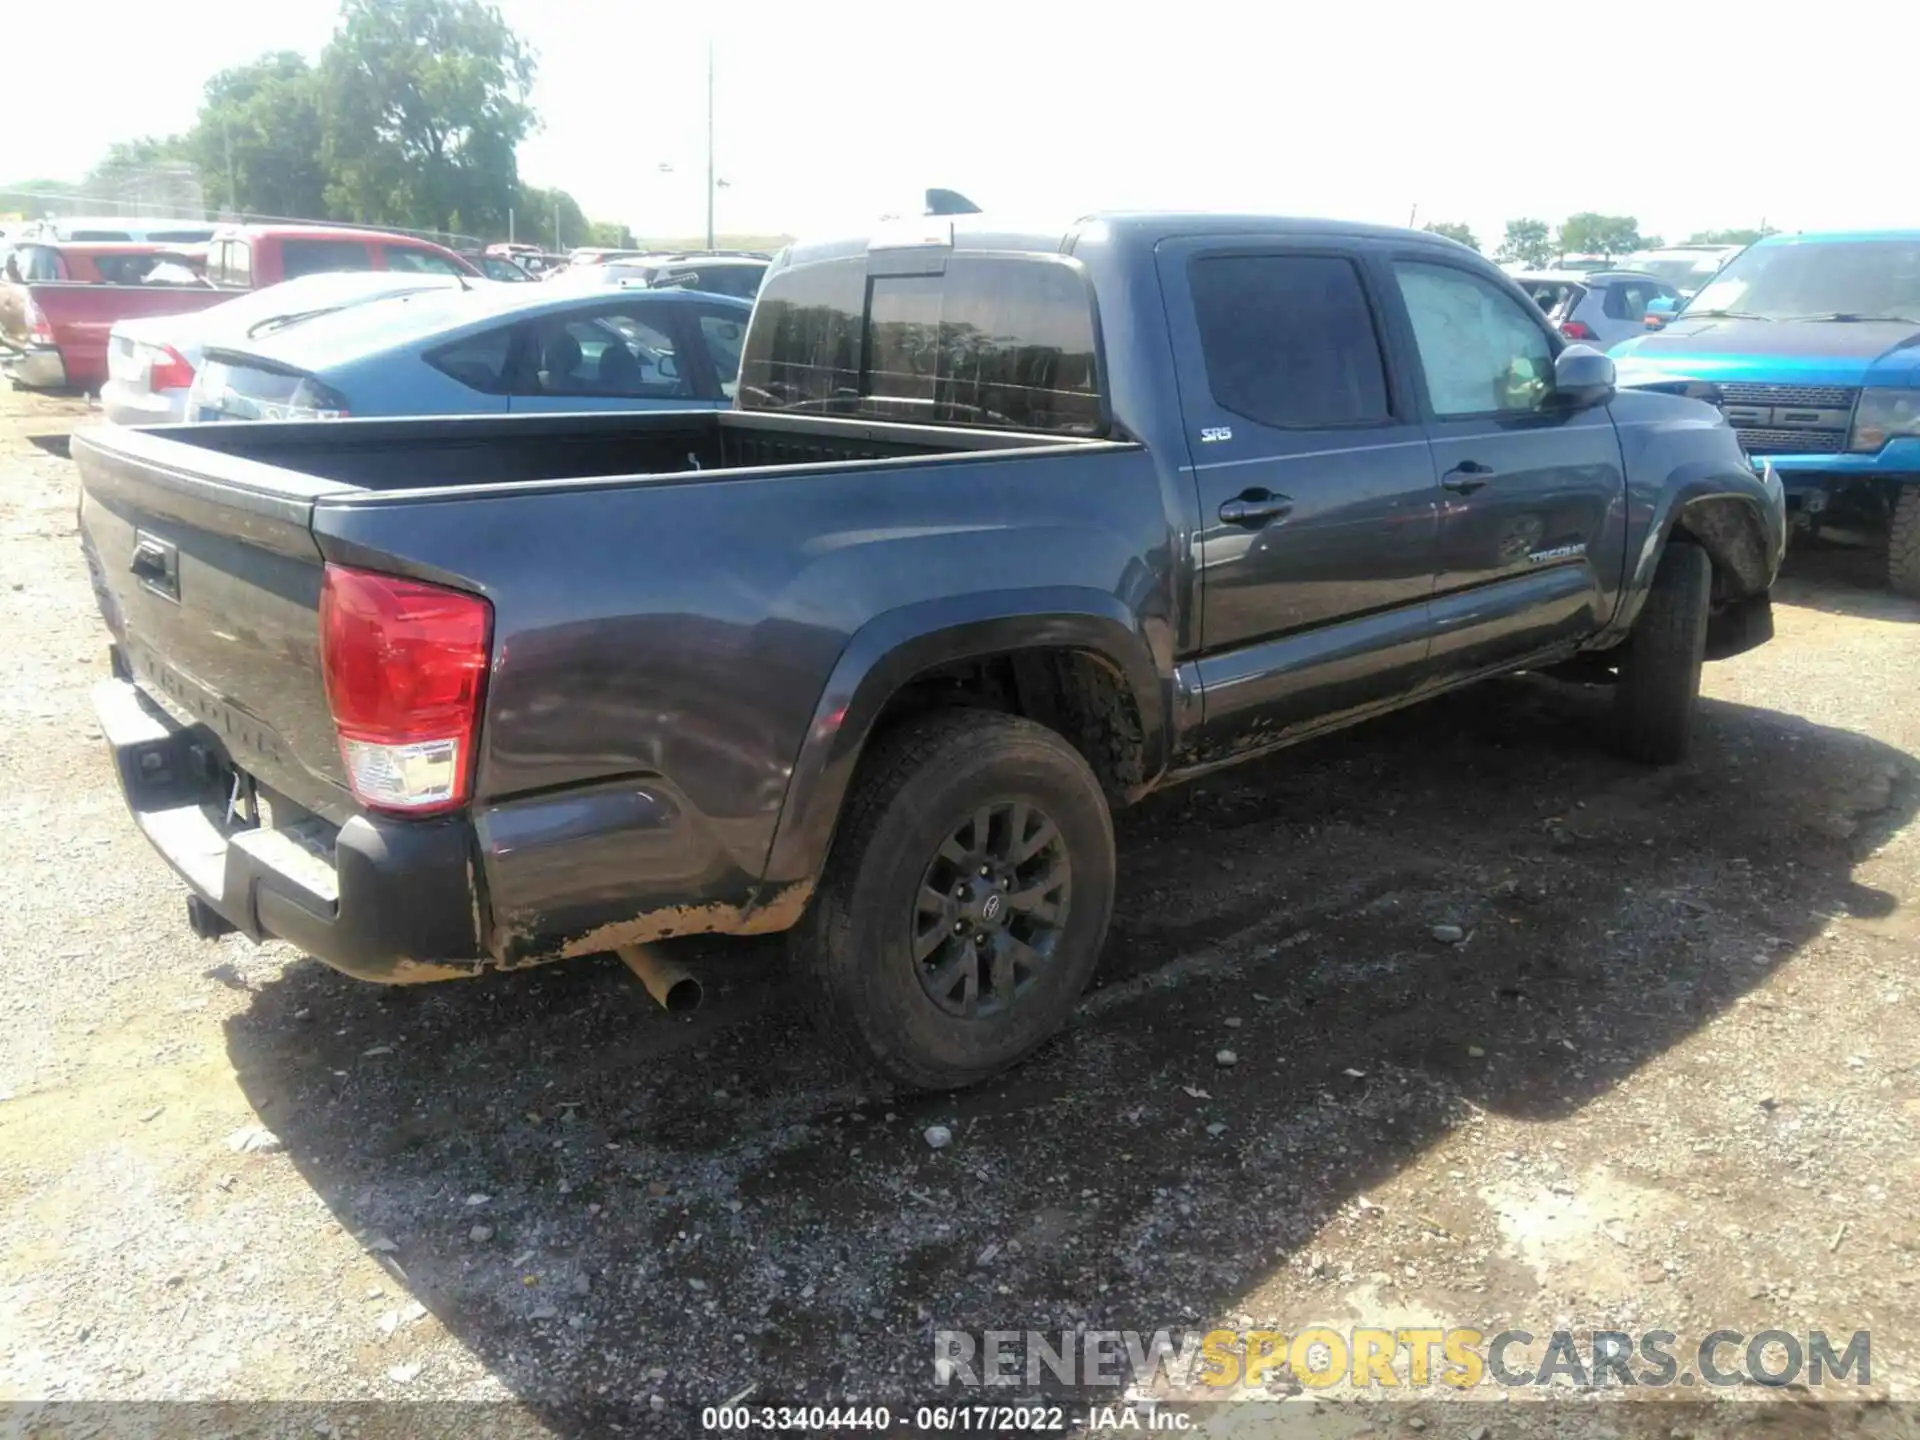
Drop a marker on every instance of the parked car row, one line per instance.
(62, 297)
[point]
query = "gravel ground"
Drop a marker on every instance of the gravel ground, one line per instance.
(1665, 1078)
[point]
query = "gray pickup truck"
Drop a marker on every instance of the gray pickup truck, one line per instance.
(1005, 530)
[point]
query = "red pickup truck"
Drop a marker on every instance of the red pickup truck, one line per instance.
(59, 303)
(59, 300)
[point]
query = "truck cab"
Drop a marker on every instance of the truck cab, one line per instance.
(1810, 346)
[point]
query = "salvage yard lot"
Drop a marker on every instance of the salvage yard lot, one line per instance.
(1667, 1081)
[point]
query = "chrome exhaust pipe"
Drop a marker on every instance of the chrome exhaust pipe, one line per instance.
(672, 984)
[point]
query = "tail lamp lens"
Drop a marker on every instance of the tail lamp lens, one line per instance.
(405, 665)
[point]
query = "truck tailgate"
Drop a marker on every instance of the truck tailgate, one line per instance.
(209, 579)
(83, 317)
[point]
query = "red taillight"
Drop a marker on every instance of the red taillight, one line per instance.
(37, 323)
(169, 371)
(406, 667)
(1577, 330)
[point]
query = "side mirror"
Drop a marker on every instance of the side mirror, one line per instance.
(1582, 377)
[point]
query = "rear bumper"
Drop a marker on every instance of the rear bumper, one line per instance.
(38, 367)
(383, 900)
(122, 404)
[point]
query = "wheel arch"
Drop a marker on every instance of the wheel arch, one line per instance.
(1725, 515)
(889, 654)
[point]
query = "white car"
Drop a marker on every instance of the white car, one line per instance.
(151, 361)
(1597, 307)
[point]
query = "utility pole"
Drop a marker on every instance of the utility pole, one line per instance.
(556, 223)
(709, 144)
(233, 193)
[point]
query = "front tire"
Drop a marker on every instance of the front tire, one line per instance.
(1659, 687)
(1903, 543)
(923, 966)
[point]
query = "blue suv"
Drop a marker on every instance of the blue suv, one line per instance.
(1810, 345)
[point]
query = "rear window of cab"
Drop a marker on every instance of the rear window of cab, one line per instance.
(1005, 342)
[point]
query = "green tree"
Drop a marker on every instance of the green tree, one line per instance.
(126, 156)
(609, 233)
(1527, 241)
(1730, 237)
(258, 139)
(1453, 231)
(538, 211)
(1589, 233)
(423, 104)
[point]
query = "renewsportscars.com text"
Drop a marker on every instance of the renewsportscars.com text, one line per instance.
(1320, 1357)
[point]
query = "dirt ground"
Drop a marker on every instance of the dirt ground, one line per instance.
(1666, 1081)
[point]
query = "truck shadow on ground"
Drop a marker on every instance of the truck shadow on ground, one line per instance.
(686, 1207)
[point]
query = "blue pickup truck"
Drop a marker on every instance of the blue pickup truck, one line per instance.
(1810, 345)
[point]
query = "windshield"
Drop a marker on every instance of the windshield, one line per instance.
(1682, 274)
(1866, 278)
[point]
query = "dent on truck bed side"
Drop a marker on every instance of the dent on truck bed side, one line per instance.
(892, 649)
(1685, 470)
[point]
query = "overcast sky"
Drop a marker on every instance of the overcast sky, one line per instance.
(1687, 115)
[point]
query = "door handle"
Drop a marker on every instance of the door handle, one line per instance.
(1254, 508)
(1466, 477)
(154, 563)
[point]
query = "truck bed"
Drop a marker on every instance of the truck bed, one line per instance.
(670, 593)
(329, 459)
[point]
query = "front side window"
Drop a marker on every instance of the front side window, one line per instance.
(1289, 340)
(319, 257)
(1480, 352)
(612, 353)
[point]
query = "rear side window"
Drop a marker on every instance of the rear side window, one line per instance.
(479, 361)
(1289, 340)
(318, 257)
(1628, 299)
(994, 341)
(125, 269)
(109, 236)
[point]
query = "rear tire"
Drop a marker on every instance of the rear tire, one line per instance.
(913, 961)
(1903, 544)
(1659, 686)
